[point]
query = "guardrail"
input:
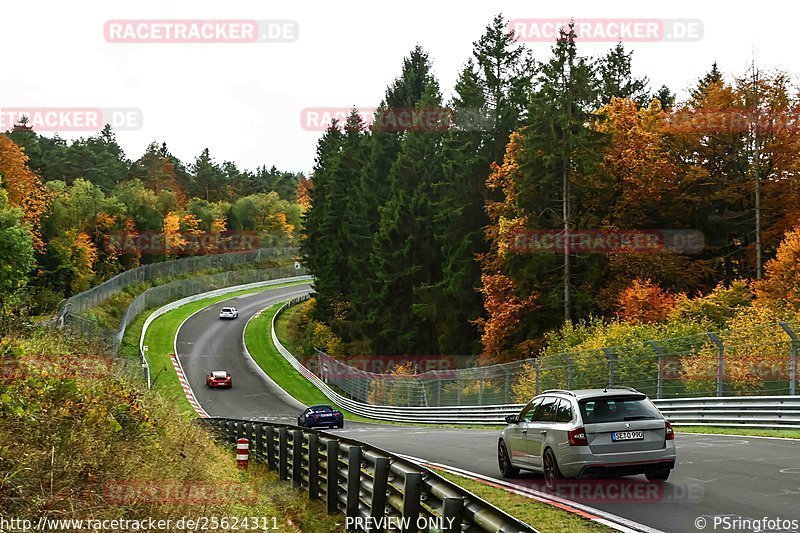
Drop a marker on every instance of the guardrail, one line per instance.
(366, 484)
(733, 411)
(782, 412)
(201, 296)
(167, 292)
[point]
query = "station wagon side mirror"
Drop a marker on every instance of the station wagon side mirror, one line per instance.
(512, 419)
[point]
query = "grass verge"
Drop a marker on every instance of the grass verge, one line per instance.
(543, 517)
(77, 446)
(259, 343)
(747, 432)
(160, 343)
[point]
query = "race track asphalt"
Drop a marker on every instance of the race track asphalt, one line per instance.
(716, 476)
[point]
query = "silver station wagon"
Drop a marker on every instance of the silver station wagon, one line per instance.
(588, 433)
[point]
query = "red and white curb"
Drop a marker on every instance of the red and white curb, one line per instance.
(187, 389)
(612, 521)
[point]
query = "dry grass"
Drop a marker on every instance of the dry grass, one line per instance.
(76, 447)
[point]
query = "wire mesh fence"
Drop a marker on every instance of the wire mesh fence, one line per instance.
(160, 295)
(757, 361)
(95, 296)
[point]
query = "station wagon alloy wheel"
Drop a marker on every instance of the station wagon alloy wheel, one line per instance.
(503, 459)
(551, 472)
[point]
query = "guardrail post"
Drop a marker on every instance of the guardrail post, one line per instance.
(793, 361)
(720, 361)
(412, 492)
(313, 466)
(353, 481)
(480, 387)
(458, 389)
(380, 482)
(570, 370)
(258, 442)
(270, 445)
(332, 478)
(536, 382)
(506, 386)
(660, 351)
(283, 454)
(453, 514)
(297, 458)
(611, 355)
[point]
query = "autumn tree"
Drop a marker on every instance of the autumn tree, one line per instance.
(781, 286)
(505, 311)
(23, 188)
(645, 301)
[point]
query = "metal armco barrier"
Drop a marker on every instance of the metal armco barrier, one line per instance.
(739, 411)
(365, 483)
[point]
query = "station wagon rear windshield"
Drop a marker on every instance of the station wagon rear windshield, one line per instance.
(617, 409)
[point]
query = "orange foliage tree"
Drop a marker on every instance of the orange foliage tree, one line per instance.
(645, 301)
(25, 190)
(180, 231)
(304, 187)
(505, 311)
(642, 169)
(781, 286)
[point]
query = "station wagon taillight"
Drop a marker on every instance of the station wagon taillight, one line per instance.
(577, 437)
(670, 433)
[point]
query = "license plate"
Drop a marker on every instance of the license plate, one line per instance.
(617, 436)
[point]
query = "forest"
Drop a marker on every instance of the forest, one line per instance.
(73, 214)
(414, 229)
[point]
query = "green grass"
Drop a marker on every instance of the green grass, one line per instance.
(262, 350)
(259, 343)
(160, 343)
(543, 517)
(748, 432)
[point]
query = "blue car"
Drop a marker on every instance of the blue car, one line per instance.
(321, 416)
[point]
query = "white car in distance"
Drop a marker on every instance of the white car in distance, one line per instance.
(229, 312)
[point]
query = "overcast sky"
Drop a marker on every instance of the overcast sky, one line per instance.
(244, 101)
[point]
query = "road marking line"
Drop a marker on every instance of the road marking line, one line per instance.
(187, 389)
(613, 521)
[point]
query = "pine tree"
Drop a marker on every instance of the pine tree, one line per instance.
(322, 221)
(505, 69)
(406, 253)
(617, 80)
(548, 177)
(373, 188)
(666, 97)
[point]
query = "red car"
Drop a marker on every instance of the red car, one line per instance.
(218, 379)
